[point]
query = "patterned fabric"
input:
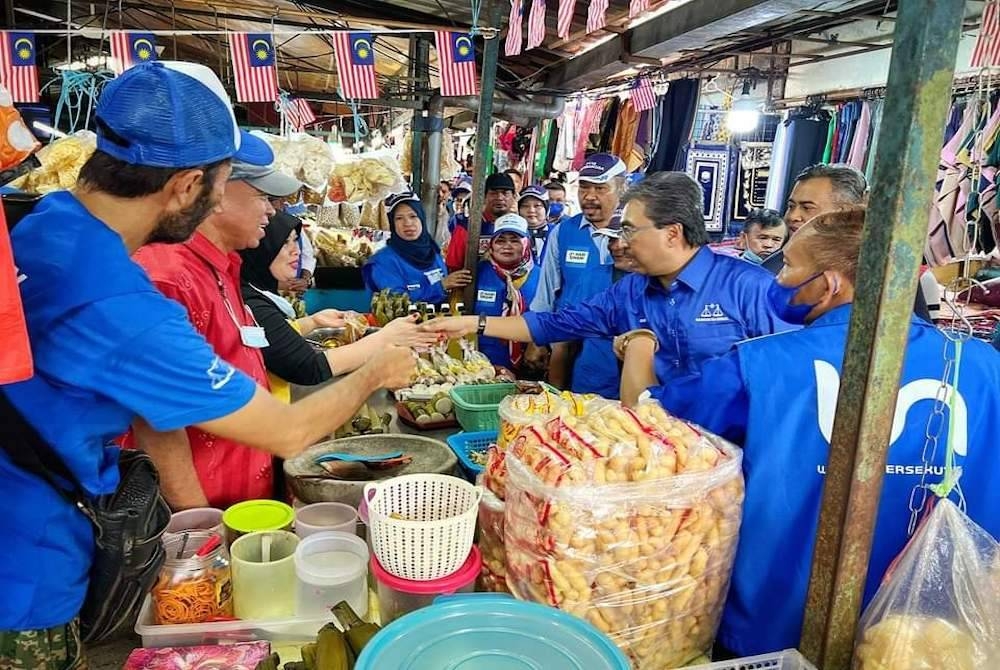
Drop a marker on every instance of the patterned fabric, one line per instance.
(56, 648)
(711, 166)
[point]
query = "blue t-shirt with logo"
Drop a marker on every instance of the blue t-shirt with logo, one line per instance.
(107, 348)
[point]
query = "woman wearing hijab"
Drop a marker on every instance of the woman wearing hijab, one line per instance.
(506, 284)
(411, 261)
(288, 357)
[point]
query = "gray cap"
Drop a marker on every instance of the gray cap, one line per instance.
(266, 179)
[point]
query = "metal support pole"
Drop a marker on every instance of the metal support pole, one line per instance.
(917, 98)
(484, 132)
(420, 52)
(432, 164)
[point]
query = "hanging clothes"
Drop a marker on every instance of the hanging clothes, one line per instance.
(625, 131)
(609, 122)
(877, 107)
(831, 135)
(952, 188)
(589, 123)
(569, 127)
(849, 113)
(779, 170)
(954, 120)
(677, 111)
(859, 146)
(803, 144)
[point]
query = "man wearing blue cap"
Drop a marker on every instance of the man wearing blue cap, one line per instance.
(110, 350)
(577, 265)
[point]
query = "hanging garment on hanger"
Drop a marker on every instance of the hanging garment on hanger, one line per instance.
(625, 131)
(609, 122)
(590, 123)
(779, 170)
(954, 120)
(951, 194)
(859, 146)
(677, 110)
(802, 145)
(877, 107)
(849, 122)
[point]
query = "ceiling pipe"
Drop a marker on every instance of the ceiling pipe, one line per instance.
(513, 110)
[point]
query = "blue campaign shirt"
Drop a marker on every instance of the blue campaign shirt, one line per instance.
(107, 347)
(715, 302)
(551, 281)
(777, 396)
(491, 295)
(387, 270)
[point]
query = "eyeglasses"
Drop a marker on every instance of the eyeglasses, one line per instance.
(629, 232)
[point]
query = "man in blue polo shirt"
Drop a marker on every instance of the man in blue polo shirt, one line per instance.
(776, 396)
(696, 302)
(110, 350)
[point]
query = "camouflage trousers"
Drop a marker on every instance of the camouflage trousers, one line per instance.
(56, 648)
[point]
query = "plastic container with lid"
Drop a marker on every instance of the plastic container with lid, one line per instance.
(197, 518)
(490, 631)
(252, 516)
(397, 596)
(264, 578)
(324, 517)
(195, 583)
(331, 567)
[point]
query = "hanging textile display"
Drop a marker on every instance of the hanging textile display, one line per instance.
(712, 165)
(590, 123)
(625, 131)
(608, 123)
(802, 144)
(859, 146)
(677, 111)
(752, 174)
(877, 107)
(944, 241)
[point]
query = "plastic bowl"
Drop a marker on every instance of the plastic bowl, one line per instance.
(397, 597)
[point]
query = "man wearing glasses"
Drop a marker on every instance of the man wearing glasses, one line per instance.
(695, 303)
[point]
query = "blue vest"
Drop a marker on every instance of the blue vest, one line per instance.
(491, 294)
(387, 269)
(792, 381)
(584, 276)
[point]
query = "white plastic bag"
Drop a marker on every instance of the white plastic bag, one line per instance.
(939, 607)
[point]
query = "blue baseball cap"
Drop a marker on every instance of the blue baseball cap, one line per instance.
(171, 114)
(614, 227)
(511, 223)
(602, 168)
(534, 191)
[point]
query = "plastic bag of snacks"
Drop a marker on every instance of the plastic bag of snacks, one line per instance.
(61, 163)
(630, 520)
(371, 176)
(491, 543)
(940, 604)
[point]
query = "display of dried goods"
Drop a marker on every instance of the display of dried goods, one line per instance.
(371, 176)
(344, 248)
(493, 576)
(61, 163)
(628, 519)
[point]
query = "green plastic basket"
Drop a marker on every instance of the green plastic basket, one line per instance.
(477, 405)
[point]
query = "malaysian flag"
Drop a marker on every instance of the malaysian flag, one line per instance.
(253, 67)
(987, 50)
(128, 49)
(596, 15)
(356, 65)
(536, 24)
(298, 113)
(637, 7)
(18, 70)
(566, 10)
(457, 63)
(643, 95)
(513, 46)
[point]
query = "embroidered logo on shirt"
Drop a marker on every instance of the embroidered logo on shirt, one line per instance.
(486, 296)
(219, 373)
(712, 313)
(413, 287)
(577, 257)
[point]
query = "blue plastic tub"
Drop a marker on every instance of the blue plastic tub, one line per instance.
(485, 631)
(463, 444)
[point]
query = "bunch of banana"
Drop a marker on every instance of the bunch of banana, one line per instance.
(387, 306)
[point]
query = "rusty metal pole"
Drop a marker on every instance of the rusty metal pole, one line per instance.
(484, 132)
(916, 105)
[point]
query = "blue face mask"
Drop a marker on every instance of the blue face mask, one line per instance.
(779, 298)
(556, 210)
(752, 257)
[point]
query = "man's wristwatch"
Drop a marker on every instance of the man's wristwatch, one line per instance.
(482, 325)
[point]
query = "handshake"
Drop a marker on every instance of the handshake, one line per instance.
(395, 367)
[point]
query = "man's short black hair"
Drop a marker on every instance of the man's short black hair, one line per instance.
(672, 197)
(849, 183)
(107, 174)
(765, 218)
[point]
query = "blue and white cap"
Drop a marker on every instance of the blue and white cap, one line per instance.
(602, 168)
(463, 185)
(534, 191)
(172, 114)
(511, 223)
(614, 227)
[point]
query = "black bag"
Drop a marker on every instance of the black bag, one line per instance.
(128, 524)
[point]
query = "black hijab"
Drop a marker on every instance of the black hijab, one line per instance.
(423, 252)
(256, 268)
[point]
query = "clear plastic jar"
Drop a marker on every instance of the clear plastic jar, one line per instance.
(193, 588)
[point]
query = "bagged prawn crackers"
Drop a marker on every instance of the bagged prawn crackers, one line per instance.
(242, 656)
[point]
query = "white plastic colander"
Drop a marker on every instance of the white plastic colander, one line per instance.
(422, 526)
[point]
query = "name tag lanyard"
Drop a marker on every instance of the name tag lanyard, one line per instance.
(251, 336)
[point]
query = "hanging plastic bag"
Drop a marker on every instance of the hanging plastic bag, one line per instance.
(939, 607)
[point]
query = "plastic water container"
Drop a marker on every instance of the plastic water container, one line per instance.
(252, 516)
(198, 518)
(325, 516)
(264, 575)
(331, 567)
(484, 630)
(397, 597)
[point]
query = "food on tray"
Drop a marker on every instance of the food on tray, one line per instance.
(436, 410)
(61, 163)
(599, 524)
(196, 599)
(479, 456)
(903, 642)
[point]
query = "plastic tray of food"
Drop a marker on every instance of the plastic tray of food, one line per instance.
(406, 417)
(789, 659)
(223, 632)
(467, 445)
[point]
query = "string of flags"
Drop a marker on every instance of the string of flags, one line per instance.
(597, 18)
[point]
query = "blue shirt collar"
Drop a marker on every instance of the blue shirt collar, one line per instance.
(694, 273)
(835, 316)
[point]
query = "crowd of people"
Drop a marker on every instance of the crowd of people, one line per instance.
(155, 297)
